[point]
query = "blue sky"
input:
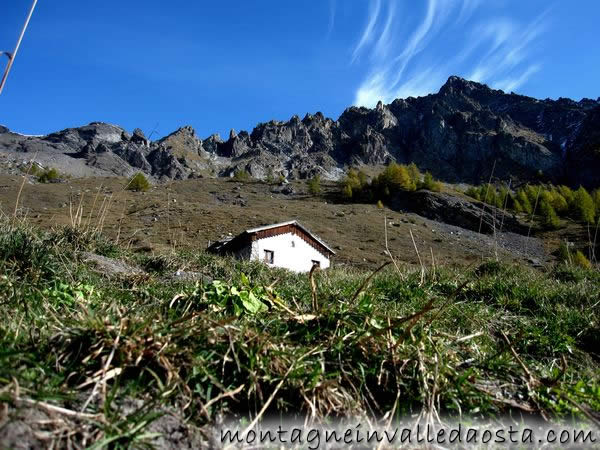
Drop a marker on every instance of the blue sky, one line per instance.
(231, 64)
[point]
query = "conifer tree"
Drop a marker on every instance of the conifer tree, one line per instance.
(516, 205)
(583, 206)
(549, 217)
(414, 173)
(580, 260)
(524, 201)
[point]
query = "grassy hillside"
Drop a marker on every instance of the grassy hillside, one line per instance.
(187, 215)
(113, 359)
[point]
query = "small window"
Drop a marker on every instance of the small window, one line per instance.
(269, 256)
(316, 263)
(293, 244)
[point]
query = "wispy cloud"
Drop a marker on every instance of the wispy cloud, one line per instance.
(508, 48)
(401, 66)
(416, 41)
(367, 35)
(467, 9)
(385, 41)
(510, 84)
(331, 17)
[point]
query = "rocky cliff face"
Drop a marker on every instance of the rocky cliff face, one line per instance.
(461, 133)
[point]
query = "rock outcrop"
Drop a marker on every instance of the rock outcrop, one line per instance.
(461, 133)
(454, 210)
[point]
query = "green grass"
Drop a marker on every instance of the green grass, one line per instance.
(447, 343)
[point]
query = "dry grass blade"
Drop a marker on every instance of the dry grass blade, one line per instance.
(387, 249)
(313, 288)
(418, 256)
(89, 220)
(105, 374)
(537, 198)
(595, 259)
(505, 206)
(532, 379)
(60, 410)
(487, 188)
(229, 394)
(391, 413)
(469, 337)
(22, 185)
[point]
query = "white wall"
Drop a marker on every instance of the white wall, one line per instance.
(298, 257)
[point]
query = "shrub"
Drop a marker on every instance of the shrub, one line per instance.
(314, 185)
(580, 260)
(32, 169)
(48, 176)
(379, 204)
(241, 175)
(138, 183)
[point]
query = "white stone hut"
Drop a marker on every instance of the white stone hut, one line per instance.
(289, 245)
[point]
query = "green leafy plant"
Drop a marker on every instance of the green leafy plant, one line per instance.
(60, 293)
(243, 298)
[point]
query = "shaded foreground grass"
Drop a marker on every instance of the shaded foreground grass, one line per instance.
(107, 357)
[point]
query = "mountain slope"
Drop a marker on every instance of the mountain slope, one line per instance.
(461, 133)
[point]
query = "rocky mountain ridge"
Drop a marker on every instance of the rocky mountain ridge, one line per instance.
(461, 134)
